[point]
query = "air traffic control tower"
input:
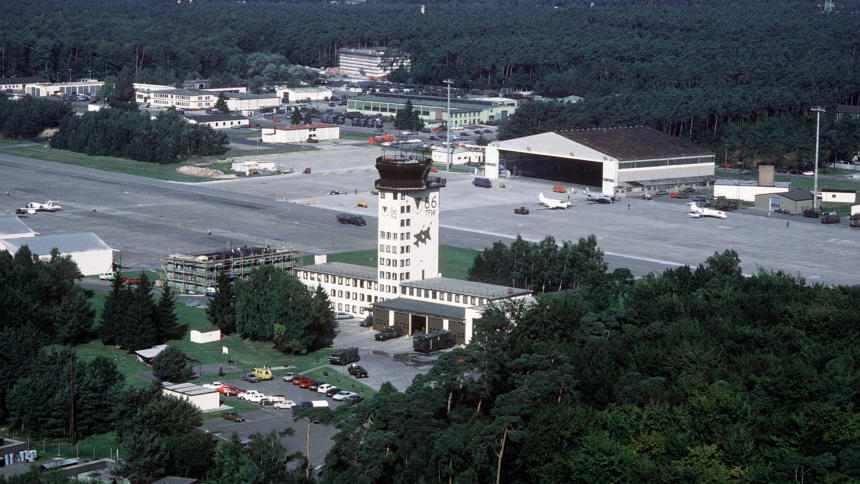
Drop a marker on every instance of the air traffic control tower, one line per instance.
(408, 221)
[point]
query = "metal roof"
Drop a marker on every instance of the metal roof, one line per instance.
(189, 389)
(422, 308)
(13, 226)
(635, 143)
(469, 288)
(65, 243)
(796, 195)
(150, 352)
(342, 269)
(209, 118)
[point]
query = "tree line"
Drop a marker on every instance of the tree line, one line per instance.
(168, 138)
(29, 117)
(693, 375)
(132, 320)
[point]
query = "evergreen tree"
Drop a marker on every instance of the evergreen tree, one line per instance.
(74, 319)
(221, 104)
(140, 330)
(222, 306)
(296, 116)
(171, 365)
(116, 307)
(167, 324)
(408, 118)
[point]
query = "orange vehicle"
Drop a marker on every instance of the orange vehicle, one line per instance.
(673, 195)
(559, 189)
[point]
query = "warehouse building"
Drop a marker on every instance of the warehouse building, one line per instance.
(794, 201)
(90, 87)
(13, 228)
(300, 133)
(368, 63)
(459, 155)
(177, 98)
(205, 399)
(620, 161)
(433, 110)
(406, 288)
(193, 273)
(219, 121)
(248, 104)
(747, 190)
(86, 249)
(302, 94)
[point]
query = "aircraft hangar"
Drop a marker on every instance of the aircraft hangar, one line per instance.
(618, 160)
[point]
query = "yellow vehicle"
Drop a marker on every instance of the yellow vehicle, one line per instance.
(362, 204)
(263, 373)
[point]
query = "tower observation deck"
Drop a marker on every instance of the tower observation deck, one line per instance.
(406, 174)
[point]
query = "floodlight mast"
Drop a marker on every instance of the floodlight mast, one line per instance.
(448, 144)
(818, 110)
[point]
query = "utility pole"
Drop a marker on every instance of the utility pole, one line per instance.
(818, 110)
(448, 145)
(72, 420)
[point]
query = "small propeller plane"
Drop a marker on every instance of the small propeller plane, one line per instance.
(553, 204)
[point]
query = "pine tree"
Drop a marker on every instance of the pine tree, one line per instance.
(221, 104)
(167, 325)
(116, 307)
(74, 319)
(222, 307)
(140, 330)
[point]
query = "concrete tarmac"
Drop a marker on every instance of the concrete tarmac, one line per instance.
(147, 219)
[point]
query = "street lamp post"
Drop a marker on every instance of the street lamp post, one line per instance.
(448, 146)
(818, 110)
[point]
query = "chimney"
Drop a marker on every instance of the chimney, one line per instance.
(765, 175)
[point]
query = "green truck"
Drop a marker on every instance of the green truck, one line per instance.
(435, 341)
(343, 356)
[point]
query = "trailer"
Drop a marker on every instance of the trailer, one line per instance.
(343, 356)
(435, 341)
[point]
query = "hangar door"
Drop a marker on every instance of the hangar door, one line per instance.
(552, 168)
(402, 321)
(380, 319)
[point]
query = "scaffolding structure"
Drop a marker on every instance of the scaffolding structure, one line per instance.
(193, 273)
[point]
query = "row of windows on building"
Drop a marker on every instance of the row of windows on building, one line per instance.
(350, 282)
(403, 276)
(392, 249)
(393, 236)
(442, 296)
(665, 162)
(393, 262)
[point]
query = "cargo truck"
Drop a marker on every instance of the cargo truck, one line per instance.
(435, 341)
(343, 356)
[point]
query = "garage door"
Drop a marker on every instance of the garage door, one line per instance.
(419, 324)
(402, 320)
(552, 168)
(434, 324)
(380, 319)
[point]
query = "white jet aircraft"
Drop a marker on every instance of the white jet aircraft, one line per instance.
(49, 206)
(597, 197)
(699, 212)
(553, 204)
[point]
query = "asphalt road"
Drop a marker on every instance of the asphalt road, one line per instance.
(147, 219)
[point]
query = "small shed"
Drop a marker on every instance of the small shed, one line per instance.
(206, 335)
(146, 356)
(794, 201)
(833, 195)
(206, 399)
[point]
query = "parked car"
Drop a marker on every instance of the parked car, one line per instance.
(298, 379)
(306, 383)
(342, 395)
(302, 405)
(324, 388)
(314, 386)
(288, 376)
(229, 390)
(482, 182)
(346, 218)
(107, 276)
(284, 404)
(354, 399)
(366, 322)
(276, 398)
(358, 371)
(830, 218)
(361, 204)
(233, 417)
(388, 333)
(521, 211)
(252, 396)
(251, 378)
(307, 171)
(332, 392)
(559, 189)
(342, 316)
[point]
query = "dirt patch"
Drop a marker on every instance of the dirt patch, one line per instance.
(202, 172)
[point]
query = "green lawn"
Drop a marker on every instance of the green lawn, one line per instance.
(106, 163)
(4, 142)
(454, 262)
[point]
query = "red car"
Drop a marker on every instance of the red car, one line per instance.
(559, 189)
(229, 390)
(298, 379)
(306, 383)
(307, 171)
(433, 170)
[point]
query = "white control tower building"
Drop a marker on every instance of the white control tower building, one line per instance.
(408, 221)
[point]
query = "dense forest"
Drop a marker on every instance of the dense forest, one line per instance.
(708, 70)
(695, 375)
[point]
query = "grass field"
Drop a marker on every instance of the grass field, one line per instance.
(5, 142)
(106, 163)
(454, 262)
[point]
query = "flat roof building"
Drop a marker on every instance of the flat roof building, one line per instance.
(618, 160)
(747, 190)
(300, 133)
(433, 110)
(86, 249)
(16, 84)
(301, 94)
(219, 121)
(369, 63)
(12, 227)
(206, 399)
(45, 89)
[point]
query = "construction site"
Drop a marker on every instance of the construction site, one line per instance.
(194, 273)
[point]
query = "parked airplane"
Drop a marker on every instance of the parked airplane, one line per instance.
(49, 206)
(597, 197)
(553, 204)
(699, 212)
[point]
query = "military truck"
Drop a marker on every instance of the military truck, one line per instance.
(435, 341)
(343, 356)
(388, 333)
